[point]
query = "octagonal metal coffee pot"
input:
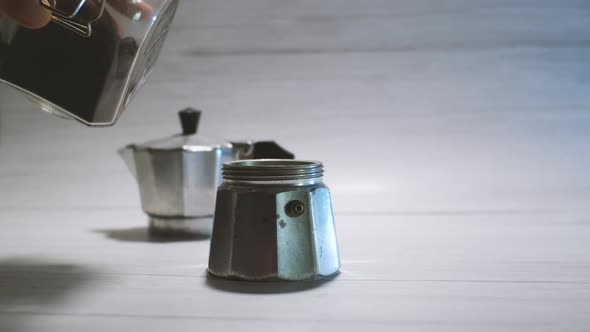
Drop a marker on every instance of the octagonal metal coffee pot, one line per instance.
(178, 176)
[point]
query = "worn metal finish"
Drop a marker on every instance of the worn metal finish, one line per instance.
(90, 61)
(172, 226)
(178, 182)
(178, 186)
(273, 221)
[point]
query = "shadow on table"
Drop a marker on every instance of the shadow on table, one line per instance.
(27, 286)
(264, 287)
(142, 234)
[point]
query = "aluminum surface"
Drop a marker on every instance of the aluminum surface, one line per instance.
(89, 62)
(178, 176)
(178, 186)
(273, 221)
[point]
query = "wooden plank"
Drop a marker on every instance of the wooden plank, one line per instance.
(423, 132)
(455, 139)
(512, 272)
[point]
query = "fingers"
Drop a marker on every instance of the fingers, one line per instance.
(134, 9)
(28, 13)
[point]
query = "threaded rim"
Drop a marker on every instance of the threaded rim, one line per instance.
(272, 170)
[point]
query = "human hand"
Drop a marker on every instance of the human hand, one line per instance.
(31, 14)
(28, 13)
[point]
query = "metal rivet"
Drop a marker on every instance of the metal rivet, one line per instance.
(294, 208)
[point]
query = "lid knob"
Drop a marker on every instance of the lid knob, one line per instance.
(189, 119)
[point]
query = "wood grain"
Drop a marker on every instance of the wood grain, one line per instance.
(455, 137)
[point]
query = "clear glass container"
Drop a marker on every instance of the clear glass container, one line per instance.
(89, 62)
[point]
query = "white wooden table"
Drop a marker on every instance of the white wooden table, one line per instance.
(456, 137)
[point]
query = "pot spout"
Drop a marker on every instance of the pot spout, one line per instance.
(127, 153)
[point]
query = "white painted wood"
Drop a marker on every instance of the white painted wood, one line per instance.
(455, 135)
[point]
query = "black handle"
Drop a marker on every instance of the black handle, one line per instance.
(189, 120)
(270, 150)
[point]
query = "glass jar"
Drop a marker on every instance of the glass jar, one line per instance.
(89, 62)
